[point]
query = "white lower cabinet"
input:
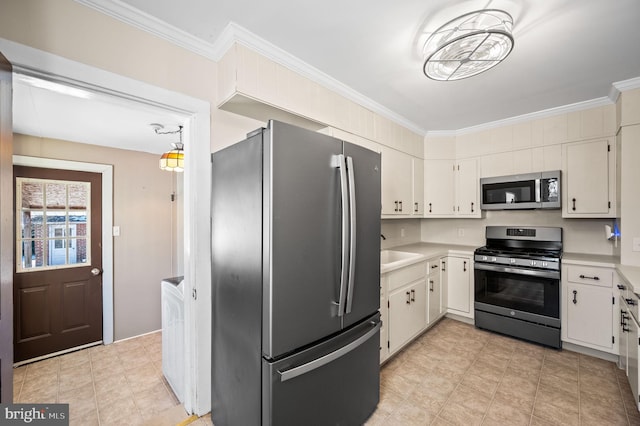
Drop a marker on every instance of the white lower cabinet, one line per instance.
(384, 317)
(589, 307)
(629, 337)
(403, 307)
(459, 270)
(434, 289)
(407, 313)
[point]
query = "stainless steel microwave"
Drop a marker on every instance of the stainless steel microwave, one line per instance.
(526, 191)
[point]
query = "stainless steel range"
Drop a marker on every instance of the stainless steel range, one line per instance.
(517, 283)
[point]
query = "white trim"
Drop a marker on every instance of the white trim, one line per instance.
(107, 223)
(578, 106)
(197, 258)
(236, 33)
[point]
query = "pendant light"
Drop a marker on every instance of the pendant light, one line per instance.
(173, 160)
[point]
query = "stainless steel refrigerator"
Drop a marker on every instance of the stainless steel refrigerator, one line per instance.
(296, 280)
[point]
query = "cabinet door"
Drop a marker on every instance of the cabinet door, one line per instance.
(397, 176)
(623, 335)
(384, 317)
(586, 178)
(589, 313)
(407, 314)
(444, 284)
(434, 286)
(418, 187)
(467, 188)
(633, 358)
(439, 188)
(460, 297)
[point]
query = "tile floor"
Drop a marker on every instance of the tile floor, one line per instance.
(456, 374)
(118, 384)
(452, 375)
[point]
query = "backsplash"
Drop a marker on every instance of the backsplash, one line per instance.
(399, 232)
(579, 235)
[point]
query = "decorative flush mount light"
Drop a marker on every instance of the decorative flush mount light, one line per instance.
(468, 45)
(172, 161)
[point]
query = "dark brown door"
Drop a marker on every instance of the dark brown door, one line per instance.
(6, 234)
(58, 269)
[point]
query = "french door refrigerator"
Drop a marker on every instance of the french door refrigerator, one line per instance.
(296, 280)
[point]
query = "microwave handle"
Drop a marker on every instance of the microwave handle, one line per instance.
(538, 195)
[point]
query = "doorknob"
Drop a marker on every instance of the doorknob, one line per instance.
(95, 272)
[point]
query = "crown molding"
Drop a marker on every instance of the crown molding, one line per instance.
(234, 33)
(623, 86)
(565, 109)
(141, 20)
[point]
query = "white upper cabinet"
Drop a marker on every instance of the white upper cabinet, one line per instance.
(439, 188)
(467, 188)
(418, 186)
(589, 179)
(402, 184)
(452, 188)
(397, 177)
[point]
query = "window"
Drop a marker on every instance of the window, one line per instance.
(54, 224)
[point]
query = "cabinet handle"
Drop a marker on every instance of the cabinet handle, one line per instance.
(400, 205)
(575, 297)
(430, 208)
(625, 329)
(464, 267)
(416, 208)
(430, 285)
(444, 264)
(413, 295)
(471, 207)
(630, 302)
(595, 278)
(574, 204)
(621, 287)
(396, 205)
(434, 266)
(408, 298)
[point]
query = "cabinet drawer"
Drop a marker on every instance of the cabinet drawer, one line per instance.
(594, 276)
(406, 275)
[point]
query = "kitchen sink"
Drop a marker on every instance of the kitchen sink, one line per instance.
(391, 258)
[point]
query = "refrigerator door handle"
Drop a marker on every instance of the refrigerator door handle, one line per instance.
(344, 270)
(352, 233)
(332, 356)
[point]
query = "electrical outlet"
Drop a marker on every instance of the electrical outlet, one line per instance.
(460, 232)
(636, 244)
(402, 234)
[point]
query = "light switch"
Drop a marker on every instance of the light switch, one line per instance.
(636, 243)
(116, 231)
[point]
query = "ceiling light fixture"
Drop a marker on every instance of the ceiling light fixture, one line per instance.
(173, 160)
(468, 45)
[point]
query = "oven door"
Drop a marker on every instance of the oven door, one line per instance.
(526, 294)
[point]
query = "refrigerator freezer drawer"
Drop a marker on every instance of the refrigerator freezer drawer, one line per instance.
(335, 382)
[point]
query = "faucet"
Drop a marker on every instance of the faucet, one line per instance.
(383, 237)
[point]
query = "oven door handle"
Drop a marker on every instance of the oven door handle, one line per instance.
(520, 271)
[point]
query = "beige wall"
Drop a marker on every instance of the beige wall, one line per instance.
(143, 210)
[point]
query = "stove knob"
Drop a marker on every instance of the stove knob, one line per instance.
(533, 263)
(512, 260)
(493, 259)
(484, 258)
(545, 264)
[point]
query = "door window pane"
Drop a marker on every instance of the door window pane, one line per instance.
(55, 228)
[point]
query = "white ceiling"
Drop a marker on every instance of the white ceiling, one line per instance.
(566, 52)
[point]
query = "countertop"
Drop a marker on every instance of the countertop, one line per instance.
(590, 259)
(426, 251)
